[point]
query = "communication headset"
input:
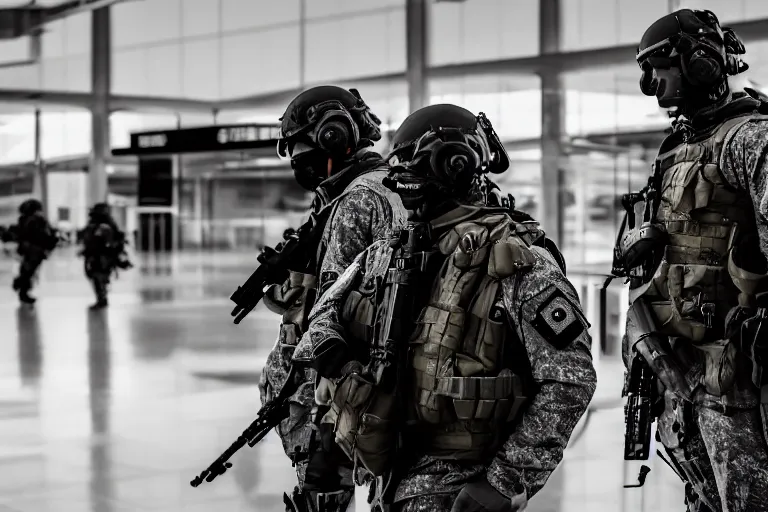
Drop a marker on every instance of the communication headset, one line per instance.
(703, 62)
(336, 132)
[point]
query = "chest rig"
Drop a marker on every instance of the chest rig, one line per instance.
(462, 389)
(299, 293)
(694, 283)
(293, 300)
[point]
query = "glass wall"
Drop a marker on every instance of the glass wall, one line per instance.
(224, 49)
(482, 30)
(64, 63)
(237, 49)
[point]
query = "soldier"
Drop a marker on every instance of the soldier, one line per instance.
(326, 132)
(36, 239)
(694, 256)
(103, 251)
(493, 324)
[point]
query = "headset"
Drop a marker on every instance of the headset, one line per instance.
(703, 61)
(454, 150)
(335, 131)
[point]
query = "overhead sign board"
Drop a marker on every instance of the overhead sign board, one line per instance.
(206, 139)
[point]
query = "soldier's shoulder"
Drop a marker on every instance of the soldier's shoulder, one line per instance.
(370, 185)
(753, 131)
(544, 275)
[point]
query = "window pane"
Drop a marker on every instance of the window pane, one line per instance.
(17, 134)
(142, 23)
(334, 50)
(342, 8)
(601, 23)
(243, 14)
(261, 61)
(601, 101)
(482, 30)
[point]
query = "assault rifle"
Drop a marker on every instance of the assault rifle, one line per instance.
(410, 262)
(295, 253)
(268, 417)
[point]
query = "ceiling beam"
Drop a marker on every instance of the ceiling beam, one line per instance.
(570, 61)
(597, 58)
(41, 98)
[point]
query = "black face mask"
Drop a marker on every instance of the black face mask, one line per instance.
(310, 169)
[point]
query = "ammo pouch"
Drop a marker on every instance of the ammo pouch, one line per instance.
(481, 405)
(364, 428)
(495, 399)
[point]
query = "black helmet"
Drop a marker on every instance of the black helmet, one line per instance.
(321, 123)
(30, 207)
(444, 147)
(99, 210)
(687, 53)
(457, 128)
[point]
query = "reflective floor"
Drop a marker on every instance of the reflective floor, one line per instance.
(118, 410)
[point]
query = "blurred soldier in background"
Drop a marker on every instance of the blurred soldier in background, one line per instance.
(695, 259)
(103, 251)
(475, 412)
(36, 239)
(326, 132)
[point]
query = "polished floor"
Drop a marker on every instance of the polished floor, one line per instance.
(118, 410)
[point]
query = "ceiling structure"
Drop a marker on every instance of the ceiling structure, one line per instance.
(610, 69)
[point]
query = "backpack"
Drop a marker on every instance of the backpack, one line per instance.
(459, 390)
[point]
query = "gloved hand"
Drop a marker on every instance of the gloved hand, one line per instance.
(481, 496)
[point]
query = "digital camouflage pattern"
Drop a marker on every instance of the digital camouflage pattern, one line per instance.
(745, 166)
(734, 436)
(364, 212)
(716, 442)
(561, 369)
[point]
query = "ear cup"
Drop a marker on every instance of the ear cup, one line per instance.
(334, 137)
(453, 160)
(702, 68)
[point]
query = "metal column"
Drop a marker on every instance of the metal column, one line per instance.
(101, 72)
(416, 12)
(552, 123)
(40, 183)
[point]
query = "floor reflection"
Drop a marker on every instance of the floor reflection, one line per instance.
(30, 351)
(99, 371)
(118, 410)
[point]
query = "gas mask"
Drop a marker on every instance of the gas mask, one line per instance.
(665, 83)
(686, 57)
(309, 164)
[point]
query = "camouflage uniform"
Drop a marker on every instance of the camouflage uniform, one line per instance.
(714, 186)
(563, 378)
(364, 211)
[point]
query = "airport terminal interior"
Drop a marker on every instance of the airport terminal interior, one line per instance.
(169, 110)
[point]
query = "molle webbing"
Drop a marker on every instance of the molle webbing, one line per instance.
(463, 394)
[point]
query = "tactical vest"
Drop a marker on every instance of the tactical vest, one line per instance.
(697, 283)
(297, 295)
(462, 390)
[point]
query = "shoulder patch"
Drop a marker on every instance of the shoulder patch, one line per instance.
(558, 321)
